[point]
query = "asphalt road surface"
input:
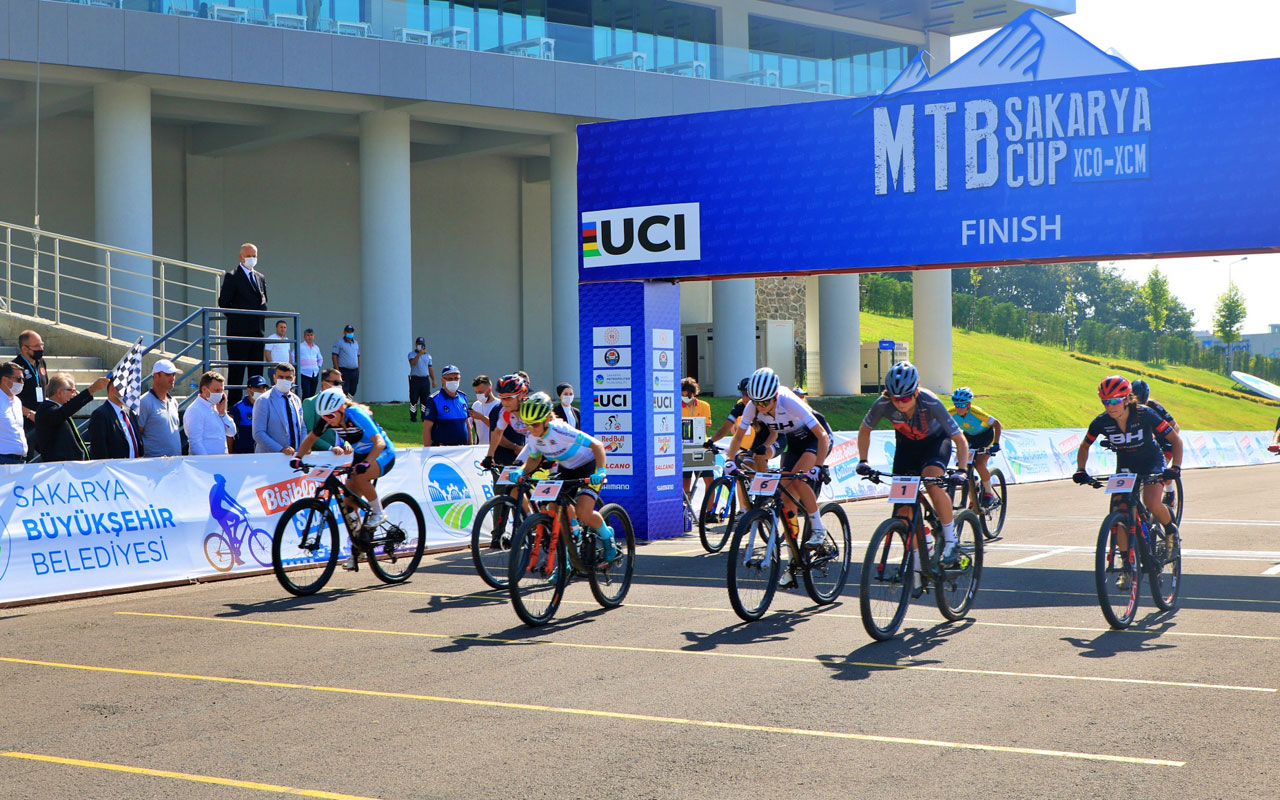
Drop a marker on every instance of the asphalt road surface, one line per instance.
(434, 688)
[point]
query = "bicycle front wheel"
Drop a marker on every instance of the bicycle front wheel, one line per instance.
(827, 568)
(753, 565)
(304, 562)
(537, 572)
(218, 551)
(260, 546)
(491, 534)
(720, 502)
(1165, 573)
(1175, 507)
(992, 519)
(406, 533)
(610, 581)
(884, 588)
(959, 585)
(1115, 571)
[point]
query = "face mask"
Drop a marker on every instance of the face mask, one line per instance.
(18, 387)
(566, 399)
(215, 397)
(284, 385)
(251, 262)
(452, 386)
(688, 401)
(349, 336)
(482, 397)
(253, 397)
(36, 355)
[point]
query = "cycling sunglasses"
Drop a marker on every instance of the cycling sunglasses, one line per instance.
(761, 403)
(904, 398)
(331, 415)
(1113, 401)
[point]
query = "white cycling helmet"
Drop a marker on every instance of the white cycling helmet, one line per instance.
(329, 401)
(763, 385)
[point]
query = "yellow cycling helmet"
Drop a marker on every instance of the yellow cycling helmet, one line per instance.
(535, 408)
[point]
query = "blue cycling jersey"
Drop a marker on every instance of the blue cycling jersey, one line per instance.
(357, 430)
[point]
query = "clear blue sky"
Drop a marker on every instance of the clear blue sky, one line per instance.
(1155, 34)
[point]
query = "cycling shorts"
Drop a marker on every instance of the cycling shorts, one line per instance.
(911, 456)
(778, 446)
(386, 460)
(795, 450)
(981, 439)
(1139, 464)
(576, 474)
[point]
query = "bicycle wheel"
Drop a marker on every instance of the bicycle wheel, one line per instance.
(260, 546)
(992, 519)
(722, 500)
(536, 577)
(218, 550)
(753, 569)
(884, 588)
(1165, 571)
(1119, 604)
(406, 534)
(610, 582)
(1175, 508)
(304, 563)
(491, 534)
(958, 587)
(960, 494)
(827, 568)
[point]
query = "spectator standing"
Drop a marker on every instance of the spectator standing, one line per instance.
(446, 414)
(57, 437)
(328, 380)
(158, 413)
(114, 431)
(13, 436)
(277, 416)
(484, 403)
(244, 288)
(691, 406)
(565, 410)
(346, 358)
(310, 362)
(279, 350)
(35, 382)
(421, 376)
(242, 415)
(208, 426)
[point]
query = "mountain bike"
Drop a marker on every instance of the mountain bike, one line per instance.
(496, 524)
(720, 505)
(224, 548)
(306, 547)
(549, 549)
(1127, 547)
(1172, 495)
(970, 496)
(755, 556)
(906, 549)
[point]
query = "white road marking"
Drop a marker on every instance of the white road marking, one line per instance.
(1054, 552)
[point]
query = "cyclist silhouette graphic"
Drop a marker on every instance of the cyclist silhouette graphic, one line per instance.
(223, 549)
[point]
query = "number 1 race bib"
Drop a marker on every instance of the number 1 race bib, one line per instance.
(904, 488)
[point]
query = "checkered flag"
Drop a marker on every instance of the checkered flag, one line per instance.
(127, 377)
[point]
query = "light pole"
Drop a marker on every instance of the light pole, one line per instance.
(1231, 353)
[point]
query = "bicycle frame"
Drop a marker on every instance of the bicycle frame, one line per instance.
(1141, 520)
(774, 505)
(559, 524)
(918, 513)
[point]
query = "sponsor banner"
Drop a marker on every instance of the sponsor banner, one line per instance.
(617, 465)
(611, 336)
(664, 402)
(611, 401)
(611, 357)
(611, 378)
(641, 235)
(664, 359)
(664, 381)
(663, 338)
(612, 422)
(664, 445)
(664, 467)
(615, 442)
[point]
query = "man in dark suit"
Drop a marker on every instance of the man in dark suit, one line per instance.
(113, 429)
(57, 437)
(243, 288)
(35, 382)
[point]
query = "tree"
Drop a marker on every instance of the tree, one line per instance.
(1156, 297)
(1228, 318)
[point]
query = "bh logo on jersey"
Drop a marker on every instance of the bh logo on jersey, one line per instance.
(1125, 438)
(450, 495)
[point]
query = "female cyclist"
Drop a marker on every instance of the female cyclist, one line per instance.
(1134, 431)
(980, 430)
(924, 434)
(374, 454)
(578, 457)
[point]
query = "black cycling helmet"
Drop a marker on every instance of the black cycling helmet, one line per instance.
(1140, 389)
(742, 385)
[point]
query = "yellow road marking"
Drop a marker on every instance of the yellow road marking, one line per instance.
(184, 776)
(670, 651)
(688, 552)
(586, 712)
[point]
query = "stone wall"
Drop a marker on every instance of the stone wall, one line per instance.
(782, 298)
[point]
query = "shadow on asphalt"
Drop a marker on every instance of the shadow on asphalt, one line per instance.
(772, 627)
(291, 603)
(909, 645)
(519, 633)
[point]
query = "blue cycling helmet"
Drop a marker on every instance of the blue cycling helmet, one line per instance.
(962, 396)
(1141, 389)
(902, 380)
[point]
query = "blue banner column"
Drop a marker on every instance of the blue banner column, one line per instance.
(628, 337)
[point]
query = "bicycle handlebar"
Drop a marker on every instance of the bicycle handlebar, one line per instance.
(1099, 481)
(875, 476)
(343, 469)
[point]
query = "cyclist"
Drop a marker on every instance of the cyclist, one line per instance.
(1143, 392)
(924, 434)
(577, 456)
(980, 430)
(1133, 431)
(374, 454)
(807, 436)
(507, 430)
(226, 511)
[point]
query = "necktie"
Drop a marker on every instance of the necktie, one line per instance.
(133, 440)
(288, 415)
(253, 280)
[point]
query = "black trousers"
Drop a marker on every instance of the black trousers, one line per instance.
(309, 385)
(419, 392)
(350, 380)
(238, 373)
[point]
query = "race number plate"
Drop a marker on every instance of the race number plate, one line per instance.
(547, 490)
(764, 485)
(319, 474)
(904, 489)
(509, 475)
(1121, 483)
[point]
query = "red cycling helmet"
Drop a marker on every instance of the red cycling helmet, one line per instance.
(1114, 386)
(511, 384)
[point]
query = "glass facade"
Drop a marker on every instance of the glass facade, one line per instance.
(823, 60)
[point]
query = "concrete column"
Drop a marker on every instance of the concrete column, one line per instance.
(565, 253)
(839, 336)
(931, 324)
(735, 36)
(812, 337)
(386, 255)
(733, 310)
(122, 203)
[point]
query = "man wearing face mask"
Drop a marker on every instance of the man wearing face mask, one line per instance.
(445, 414)
(421, 376)
(244, 288)
(13, 439)
(242, 415)
(485, 402)
(346, 359)
(277, 416)
(34, 380)
(207, 424)
(565, 409)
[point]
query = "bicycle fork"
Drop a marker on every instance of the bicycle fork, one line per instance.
(551, 546)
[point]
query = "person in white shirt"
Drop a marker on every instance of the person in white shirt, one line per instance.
(484, 403)
(280, 350)
(206, 422)
(310, 360)
(13, 439)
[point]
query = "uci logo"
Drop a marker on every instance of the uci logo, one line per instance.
(613, 401)
(641, 235)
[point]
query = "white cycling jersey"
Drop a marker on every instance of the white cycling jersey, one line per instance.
(561, 443)
(791, 416)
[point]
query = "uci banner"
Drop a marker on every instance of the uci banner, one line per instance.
(1034, 147)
